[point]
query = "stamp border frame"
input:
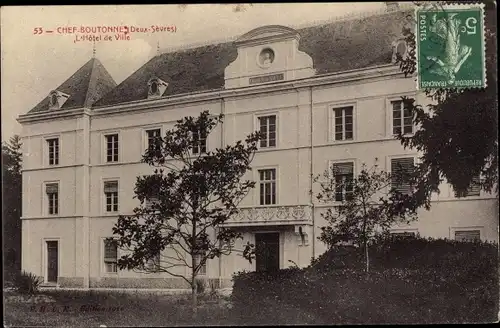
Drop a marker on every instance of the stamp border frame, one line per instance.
(483, 40)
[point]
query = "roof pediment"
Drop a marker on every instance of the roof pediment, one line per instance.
(268, 32)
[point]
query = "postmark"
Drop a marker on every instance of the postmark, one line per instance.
(450, 47)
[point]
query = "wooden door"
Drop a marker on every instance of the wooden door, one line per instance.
(267, 252)
(52, 261)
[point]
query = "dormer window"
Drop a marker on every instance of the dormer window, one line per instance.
(156, 87)
(57, 99)
(399, 49)
(53, 100)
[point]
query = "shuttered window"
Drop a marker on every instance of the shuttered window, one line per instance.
(468, 235)
(474, 188)
(401, 170)
(111, 195)
(344, 175)
(52, 191)
(110, 256)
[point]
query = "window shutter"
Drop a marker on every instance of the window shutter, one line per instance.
(467, 235)
(110, 252)
(343, 168)
(400, 168)
(110, 186)
(51, 188)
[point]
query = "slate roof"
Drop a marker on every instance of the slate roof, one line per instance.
(85, 87)
(334, 47)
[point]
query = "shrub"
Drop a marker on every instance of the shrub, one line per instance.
(27, 283)
(412, 280)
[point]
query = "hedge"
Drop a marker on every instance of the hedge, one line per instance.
(412, 281)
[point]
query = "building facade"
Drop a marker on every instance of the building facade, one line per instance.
(324, 95)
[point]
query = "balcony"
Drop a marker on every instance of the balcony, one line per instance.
(296, 215)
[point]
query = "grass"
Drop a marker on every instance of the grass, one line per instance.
(113, 308)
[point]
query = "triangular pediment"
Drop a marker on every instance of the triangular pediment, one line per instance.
(268, 32)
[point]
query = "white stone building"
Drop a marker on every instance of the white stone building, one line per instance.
(325, 94)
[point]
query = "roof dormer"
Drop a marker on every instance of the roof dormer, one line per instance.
(156, 88)
(268, 54)
(399, 47)
(57, 99)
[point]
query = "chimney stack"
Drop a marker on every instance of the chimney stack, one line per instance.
(391, 6)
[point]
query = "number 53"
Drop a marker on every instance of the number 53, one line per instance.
(37, 30)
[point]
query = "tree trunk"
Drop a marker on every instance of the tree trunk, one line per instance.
(367, 259)
(194, 299)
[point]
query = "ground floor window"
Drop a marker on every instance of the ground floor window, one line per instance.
(110, 256)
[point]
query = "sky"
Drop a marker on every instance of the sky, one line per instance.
(35, 63)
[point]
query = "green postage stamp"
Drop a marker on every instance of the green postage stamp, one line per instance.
(450, 46)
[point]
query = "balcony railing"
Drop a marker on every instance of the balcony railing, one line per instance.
(272, 215)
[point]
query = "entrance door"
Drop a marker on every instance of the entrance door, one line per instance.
(52, 265)
(267, 251)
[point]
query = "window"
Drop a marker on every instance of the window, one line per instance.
(110, 256)
(468, 235)
(267, 186)
(112, 148)
(344, 174)
(343, 123)
(203, 268)
(153, 263)
(151, 137)
(53, 151)
(474, 188)
(402, 118)
(267, 126)
(401, 169)
(153, 199)
(52, 190)
(111, 193)
(199, 142)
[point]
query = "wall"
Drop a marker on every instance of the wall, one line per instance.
(293, 157)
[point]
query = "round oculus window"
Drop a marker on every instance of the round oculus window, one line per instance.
(266, 57)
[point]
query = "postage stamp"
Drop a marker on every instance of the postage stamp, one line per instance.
(450, 47)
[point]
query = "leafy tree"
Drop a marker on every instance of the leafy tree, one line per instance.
(185, 202)
(458, 131)
(365, 206)
(12, 202)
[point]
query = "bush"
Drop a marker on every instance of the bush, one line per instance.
(27, 283)
(412, 280)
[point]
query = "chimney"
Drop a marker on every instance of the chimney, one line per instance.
(391, 6)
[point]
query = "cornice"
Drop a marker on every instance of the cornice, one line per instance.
(218, 94)
(53, 115)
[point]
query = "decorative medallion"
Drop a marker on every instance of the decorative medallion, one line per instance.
(266, 57)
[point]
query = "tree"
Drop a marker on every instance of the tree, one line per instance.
(458, 131)
(12, 202)
(186, 201)
(364, 206)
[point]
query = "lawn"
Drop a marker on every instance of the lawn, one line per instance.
(113, 308)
